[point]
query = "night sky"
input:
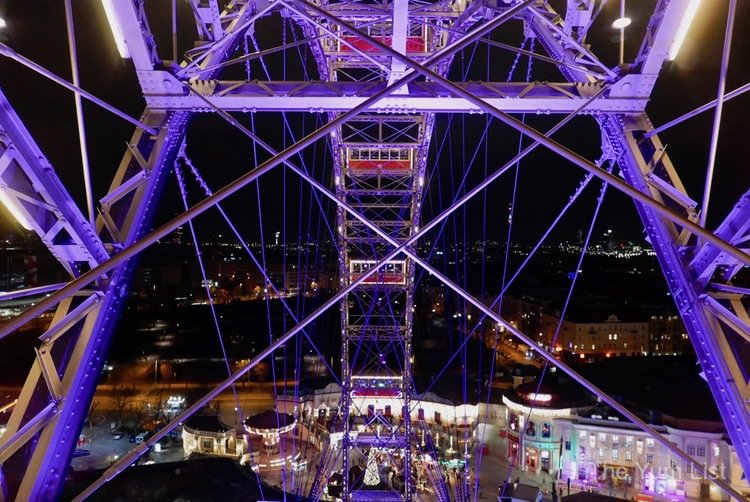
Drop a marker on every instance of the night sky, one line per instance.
(544, 184)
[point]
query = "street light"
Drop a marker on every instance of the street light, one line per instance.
(621, 23)
(3, 24)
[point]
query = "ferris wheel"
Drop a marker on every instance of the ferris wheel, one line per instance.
(385, 129)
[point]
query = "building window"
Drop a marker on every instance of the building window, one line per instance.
(531, 429)
(615, 440)
(717, 451)
(582, 434)
(513, 422)
(691, 450)
(546, 430)
(649, 458)
(628, 455)
(649, 442)
(701, 451)
(602, 436)
(592, 441)
(628, 441)
(567, 445)
(602, 452)
(615, 454)
(207, 444)
(639, 446)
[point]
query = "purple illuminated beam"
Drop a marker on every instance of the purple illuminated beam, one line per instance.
(10, 53)
(717, 112)
(22, 293)
(535, 135)
(126, 253)
(128, 459)
(116, 468)
(529, 341)
(730, 95)
(79, 113)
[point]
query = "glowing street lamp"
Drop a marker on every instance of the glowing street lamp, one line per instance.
(3, 24)
(621, 23)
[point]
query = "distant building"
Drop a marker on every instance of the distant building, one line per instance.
(599, 451)
(667, 335)
(153, 277)
(550, 433)
(612, 337)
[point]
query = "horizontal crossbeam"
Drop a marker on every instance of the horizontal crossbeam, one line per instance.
(422, 97)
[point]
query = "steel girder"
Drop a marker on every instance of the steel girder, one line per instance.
(381, 174)
(709, 312)
(43, 429)
(626, 129)
(29, 184)
(419, 97)
(716, 319)
(82, 348)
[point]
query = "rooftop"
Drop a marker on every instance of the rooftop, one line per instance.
(206, 423)
(520, 492)
(269, 420)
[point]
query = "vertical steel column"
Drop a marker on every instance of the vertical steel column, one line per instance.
(127, 218)
(73, 350)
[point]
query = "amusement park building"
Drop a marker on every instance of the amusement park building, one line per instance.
(578, 442)
(208, 435)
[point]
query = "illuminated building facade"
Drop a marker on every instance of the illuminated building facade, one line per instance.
(547, 434)
(532, 429)
(602, 452)
(612, 337)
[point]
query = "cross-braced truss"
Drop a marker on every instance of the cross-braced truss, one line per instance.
(382, 76)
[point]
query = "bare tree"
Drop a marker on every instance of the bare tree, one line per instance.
(92, 409)
(121, 396)
(260, 371)
(137, 413)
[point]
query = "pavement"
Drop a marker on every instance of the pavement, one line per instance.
(103, 449)
(494, 470)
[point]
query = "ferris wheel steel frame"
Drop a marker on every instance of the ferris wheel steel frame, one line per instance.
(699, 266)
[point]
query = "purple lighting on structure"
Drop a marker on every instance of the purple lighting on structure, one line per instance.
(375, 80)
